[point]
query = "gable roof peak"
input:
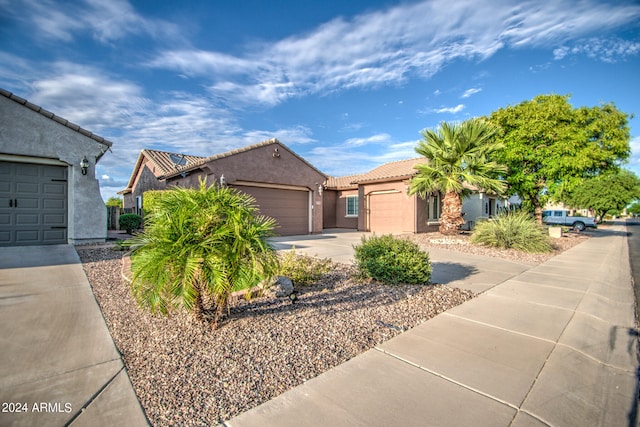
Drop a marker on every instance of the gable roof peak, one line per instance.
(57, 119)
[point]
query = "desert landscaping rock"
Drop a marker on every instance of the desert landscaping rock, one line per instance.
(188, 374)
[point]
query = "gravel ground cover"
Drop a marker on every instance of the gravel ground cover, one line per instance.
(187, 374)
(462, 243)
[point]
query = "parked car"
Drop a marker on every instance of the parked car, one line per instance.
(562, 217)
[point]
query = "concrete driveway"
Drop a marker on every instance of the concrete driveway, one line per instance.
(474, 272)
(58, 364)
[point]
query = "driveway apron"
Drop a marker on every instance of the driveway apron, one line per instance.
(58, 364)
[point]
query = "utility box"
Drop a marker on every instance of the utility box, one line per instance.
(555, 232)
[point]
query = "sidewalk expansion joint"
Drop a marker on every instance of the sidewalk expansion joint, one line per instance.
(555, 343)
(58, 374)
(446, 378)
(95, 396)
(500, 328)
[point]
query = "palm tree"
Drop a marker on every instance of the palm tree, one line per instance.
(459, 156)
(200, 244)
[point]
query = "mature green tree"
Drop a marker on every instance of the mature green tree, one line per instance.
(114, 201)
(634, 208)
(609, 192)
(202, 243)
(550, 146)
(458, 154)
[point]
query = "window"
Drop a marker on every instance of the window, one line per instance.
(352, 205)
(433, 207)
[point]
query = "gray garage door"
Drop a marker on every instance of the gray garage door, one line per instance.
(290, 208)
(33, 204)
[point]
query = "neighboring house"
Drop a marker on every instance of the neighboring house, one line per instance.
(48, 190)
(149, 172)
(378, 201)
(286, 187)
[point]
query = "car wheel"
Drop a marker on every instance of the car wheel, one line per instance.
(578, 226)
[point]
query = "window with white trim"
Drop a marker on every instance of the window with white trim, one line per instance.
(352, 205)
(433, 207)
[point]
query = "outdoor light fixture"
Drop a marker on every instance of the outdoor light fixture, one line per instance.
(293, 296)
(223, 181)
(320, 190)
(84, 165)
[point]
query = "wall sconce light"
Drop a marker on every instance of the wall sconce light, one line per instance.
(320, 190)
(84, 165)
(223, 181)
(276, 154)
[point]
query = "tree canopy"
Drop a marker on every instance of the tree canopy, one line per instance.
(114, 201)
(550, 146)
(607, 193)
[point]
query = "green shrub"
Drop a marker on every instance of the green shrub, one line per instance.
(130, 222)
(302, 269)
(150, 200)
(513, 230)
(392, 260)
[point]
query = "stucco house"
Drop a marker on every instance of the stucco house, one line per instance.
(48, 190)
(378, 201)
(149, 172)
(286, 187)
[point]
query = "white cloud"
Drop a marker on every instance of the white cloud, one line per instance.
(467, 93)
(451, 110)
(388, 46)
(606, 50)
(374, 139)
(105, 21)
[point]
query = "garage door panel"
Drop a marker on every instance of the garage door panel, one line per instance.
(26, 219)
(27, 203)
(54, 188)
(54, 220)
(290, 208)
(27, 187)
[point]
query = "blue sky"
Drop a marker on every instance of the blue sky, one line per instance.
(347, 85)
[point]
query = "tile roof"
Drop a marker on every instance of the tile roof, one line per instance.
(55, 118)
(237, 151)
(391, 171)
(342, 182)
(163, 162)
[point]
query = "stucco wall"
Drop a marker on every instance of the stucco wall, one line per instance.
(342, 220)
(144, 181)
(24, 132)
(329, 208)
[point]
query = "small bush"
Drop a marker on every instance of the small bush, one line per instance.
(303, 270)
(130, 222)
(392, 260)
(513, 230)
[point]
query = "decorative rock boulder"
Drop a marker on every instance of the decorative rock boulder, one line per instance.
(283, 286)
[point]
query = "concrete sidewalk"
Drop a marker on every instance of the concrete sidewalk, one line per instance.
(555, 344)
(58, 363)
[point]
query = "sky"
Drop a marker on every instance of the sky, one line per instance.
(348, 85)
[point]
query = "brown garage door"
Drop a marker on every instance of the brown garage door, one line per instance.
(290, 208)
(385, 212)
(33, 204)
